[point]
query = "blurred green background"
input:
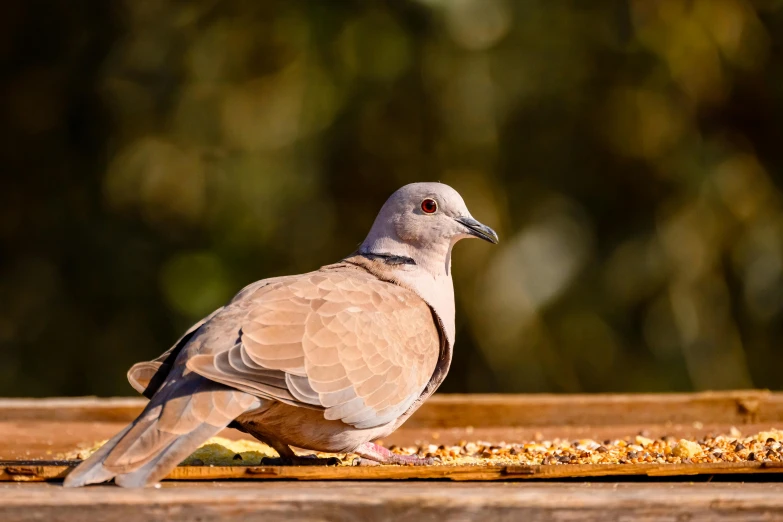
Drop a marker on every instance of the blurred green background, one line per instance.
(158, 155)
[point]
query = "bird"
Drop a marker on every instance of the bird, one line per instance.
(329, 360)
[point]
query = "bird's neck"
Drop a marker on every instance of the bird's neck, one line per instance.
(434, 259)
(426, 271)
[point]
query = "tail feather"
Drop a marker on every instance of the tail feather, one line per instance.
(146, 438)
(92, 470)
(166, 460)
(175, 422)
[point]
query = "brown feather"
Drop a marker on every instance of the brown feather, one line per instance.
(355, 343)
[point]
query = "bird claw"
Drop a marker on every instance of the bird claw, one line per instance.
(374, 452)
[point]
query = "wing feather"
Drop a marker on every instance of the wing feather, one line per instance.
(301, 389)
(360, 348)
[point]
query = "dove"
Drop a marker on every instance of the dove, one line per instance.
(327, 361)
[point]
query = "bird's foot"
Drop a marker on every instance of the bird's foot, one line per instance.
(289, 458)
(372, 454)
(300, 460)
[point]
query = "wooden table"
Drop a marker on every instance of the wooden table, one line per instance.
(404, 501)
(39, 429)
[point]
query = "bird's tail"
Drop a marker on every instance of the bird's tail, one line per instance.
(178, 418)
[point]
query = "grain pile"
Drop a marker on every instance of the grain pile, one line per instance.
(762, 446)
(759, 447)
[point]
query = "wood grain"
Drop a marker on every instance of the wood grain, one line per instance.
(38, 471)
(44, 440)
(36, 430)
(82, 409)
(731, 407)
(406, 501)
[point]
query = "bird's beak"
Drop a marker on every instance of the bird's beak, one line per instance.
(477, 229)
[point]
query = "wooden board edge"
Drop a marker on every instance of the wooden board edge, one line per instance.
(485, 410)
(46, 471)
(529, 411)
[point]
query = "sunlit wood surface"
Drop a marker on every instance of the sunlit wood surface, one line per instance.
(33, 432)
(405, 501)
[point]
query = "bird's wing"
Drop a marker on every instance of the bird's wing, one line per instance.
(147, 376)
(342, 340)
(142, 374)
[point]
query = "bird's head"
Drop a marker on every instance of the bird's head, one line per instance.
(422, 221)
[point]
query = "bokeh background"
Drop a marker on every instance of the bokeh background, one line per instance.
(157, 155)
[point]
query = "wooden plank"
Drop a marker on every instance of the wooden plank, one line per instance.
(730, 407)
(82, 409)
(40, 429)
(370, 501)
(37, 471)
(37, 439)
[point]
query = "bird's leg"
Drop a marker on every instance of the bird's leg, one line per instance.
(289, 458)
(378, 454)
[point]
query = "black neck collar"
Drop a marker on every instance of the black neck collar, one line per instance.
(389, 259)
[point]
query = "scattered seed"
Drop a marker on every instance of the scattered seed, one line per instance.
(563, 452)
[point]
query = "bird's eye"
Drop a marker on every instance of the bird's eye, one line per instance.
(429, 206)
